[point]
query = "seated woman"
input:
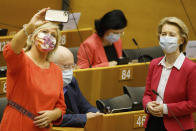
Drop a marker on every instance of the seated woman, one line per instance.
(104, 47)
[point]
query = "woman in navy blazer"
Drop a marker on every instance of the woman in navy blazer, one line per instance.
(173, 78)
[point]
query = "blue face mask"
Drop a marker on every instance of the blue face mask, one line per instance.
(169, 44)
(67, 76)
(112, 38)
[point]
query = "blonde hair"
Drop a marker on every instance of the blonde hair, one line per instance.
(31, 38)
(181, 26)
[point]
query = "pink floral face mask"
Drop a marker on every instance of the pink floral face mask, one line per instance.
(45, 42)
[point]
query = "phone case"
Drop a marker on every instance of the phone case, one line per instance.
(57, 16)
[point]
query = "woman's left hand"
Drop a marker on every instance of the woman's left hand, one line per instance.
(44, 119)
(160, 108)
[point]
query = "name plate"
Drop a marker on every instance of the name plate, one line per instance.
(138, 120)
(126, 73)
(2, 44)
(3, 86)
(3, 41)
(63, 39)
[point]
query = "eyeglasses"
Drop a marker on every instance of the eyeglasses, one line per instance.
(67, 67)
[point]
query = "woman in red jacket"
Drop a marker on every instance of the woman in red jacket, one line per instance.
(169, 98)
(104, 47)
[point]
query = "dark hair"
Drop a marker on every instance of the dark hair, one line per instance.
(114, 19)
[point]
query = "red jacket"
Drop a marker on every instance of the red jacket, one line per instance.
(92, 51)
(180, 93)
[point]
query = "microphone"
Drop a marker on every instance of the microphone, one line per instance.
(80, 36)
(70, 9)
(66, 4)
(180, 125)
(140, 52)
(156, 94)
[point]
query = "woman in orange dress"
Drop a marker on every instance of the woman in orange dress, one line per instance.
(34, 85)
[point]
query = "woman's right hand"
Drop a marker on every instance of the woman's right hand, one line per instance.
(19, 40)
(38, 19)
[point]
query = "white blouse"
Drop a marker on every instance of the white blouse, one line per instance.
(165, 76)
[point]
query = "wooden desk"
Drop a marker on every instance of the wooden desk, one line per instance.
(67, 129)
(72, 37)
(127, 121)
(106, 82)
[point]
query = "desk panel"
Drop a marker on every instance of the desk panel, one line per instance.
(67, 129)
(116, 122)
(106, 82)
(72, 37)
(3, 87)
(127, 121)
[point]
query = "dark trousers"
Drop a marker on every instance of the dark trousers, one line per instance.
(156, 124)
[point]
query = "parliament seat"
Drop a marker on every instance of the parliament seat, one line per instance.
(148, 53)
(74, 51)
(3, 103)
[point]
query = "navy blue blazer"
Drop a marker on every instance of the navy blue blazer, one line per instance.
(77, 106)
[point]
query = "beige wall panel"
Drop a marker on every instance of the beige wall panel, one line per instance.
(19, 12)
(143, 16)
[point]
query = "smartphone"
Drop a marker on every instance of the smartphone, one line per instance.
(57, 16)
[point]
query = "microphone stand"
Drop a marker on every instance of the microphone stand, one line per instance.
(80, 36)
(140, 52)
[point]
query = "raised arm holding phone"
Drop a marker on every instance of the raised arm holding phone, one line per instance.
(34, 85)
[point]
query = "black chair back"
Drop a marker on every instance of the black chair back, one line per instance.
(74, 51)
(144, 53)
(136, 95)
(3, 103)
(116, 104)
